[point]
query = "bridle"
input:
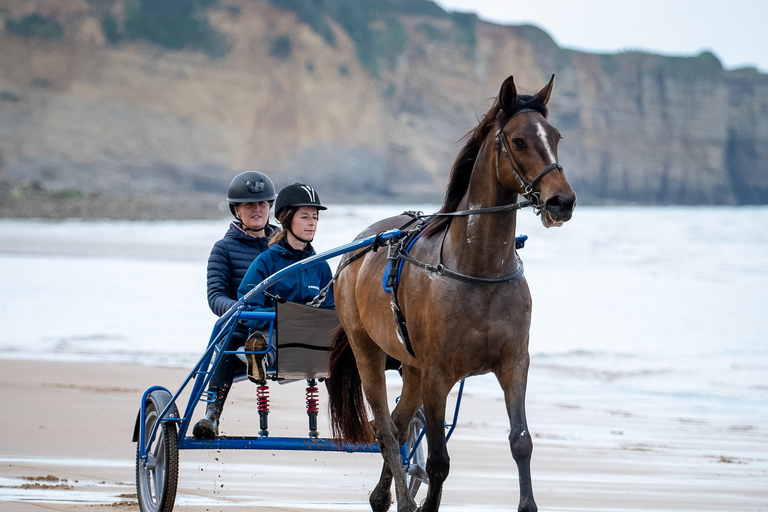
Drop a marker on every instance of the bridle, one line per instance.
(528, 187)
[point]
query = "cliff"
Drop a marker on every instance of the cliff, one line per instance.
(89, 114)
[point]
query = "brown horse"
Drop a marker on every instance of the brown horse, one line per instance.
(469, 315)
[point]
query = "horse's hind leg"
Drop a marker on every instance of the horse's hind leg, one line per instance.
(410, 401)
(370, 364)
(513, 378)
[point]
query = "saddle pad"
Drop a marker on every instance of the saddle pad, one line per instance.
(303, 340)
(399, 262)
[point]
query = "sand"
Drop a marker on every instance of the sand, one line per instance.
(66, 445)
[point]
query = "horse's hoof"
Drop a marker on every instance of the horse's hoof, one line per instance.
(380, 501)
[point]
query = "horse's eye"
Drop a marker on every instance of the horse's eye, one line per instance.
(518, 143)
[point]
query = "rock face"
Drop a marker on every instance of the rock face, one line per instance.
(134, 119)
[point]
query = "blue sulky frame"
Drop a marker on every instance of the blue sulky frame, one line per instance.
(165, 402)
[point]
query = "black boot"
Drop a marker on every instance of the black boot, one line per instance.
(208, 427)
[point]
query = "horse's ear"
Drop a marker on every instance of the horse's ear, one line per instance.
(508, 94)
(546, 91)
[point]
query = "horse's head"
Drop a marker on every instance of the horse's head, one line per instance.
(528, 144)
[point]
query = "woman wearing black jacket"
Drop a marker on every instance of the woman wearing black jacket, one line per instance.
(251, 195)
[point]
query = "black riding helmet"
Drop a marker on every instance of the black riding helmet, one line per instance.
(297, 195)
(250, 187)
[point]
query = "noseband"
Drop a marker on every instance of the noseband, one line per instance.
(528, 187)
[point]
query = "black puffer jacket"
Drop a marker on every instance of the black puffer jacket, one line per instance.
(229, 260)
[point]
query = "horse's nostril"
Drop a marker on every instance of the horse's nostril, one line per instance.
(557, 204)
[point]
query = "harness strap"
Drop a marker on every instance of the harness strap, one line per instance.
(441, 269)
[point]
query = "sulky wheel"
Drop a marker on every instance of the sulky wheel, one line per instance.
(156, 478)
(417, 469)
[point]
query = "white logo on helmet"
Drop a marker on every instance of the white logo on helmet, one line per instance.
(310, 192)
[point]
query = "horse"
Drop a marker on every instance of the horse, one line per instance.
(468, 315)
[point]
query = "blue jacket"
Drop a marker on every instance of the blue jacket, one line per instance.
(301, 287)
(230, 258)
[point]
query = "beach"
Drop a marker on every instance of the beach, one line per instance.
(67, 446)
(648, 385)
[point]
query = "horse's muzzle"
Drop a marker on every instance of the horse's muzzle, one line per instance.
(560, 207)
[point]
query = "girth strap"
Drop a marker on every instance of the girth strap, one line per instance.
(394, 255)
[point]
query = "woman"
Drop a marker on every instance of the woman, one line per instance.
(250, 195)
(296, 208)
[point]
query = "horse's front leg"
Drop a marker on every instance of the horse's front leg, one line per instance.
(409, 403)
(435, 392)
(513, 378)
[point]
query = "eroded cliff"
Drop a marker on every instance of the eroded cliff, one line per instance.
(89, 114)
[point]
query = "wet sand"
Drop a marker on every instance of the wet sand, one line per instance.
(66, 445)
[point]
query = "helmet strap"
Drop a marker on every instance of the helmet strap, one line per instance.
(298, 238)
(246, 229)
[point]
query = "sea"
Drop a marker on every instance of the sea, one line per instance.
(654, 310)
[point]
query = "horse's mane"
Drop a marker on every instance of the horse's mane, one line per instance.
(461, 172)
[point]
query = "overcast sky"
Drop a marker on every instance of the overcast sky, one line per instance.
(734, 30)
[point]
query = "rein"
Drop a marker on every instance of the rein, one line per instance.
(489, 209)
(442, 270)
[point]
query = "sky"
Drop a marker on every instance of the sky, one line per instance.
(734, 30)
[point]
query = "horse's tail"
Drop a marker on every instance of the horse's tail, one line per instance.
(349, 416)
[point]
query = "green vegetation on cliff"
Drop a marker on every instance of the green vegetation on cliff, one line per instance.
(373, 25)
(702, 65)
(174, 24)
(35, 25)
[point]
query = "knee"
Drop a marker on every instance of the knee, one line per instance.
(521, 444)
(383, 429)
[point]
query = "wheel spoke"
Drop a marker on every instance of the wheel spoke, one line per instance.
(157, 485)
(416, 473)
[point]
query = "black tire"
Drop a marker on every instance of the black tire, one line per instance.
(156, 480)
(416, 473)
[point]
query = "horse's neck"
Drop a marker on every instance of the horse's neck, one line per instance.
(483, 244)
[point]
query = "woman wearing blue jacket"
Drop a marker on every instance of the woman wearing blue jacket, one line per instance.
(296, 208)
(250, 195)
